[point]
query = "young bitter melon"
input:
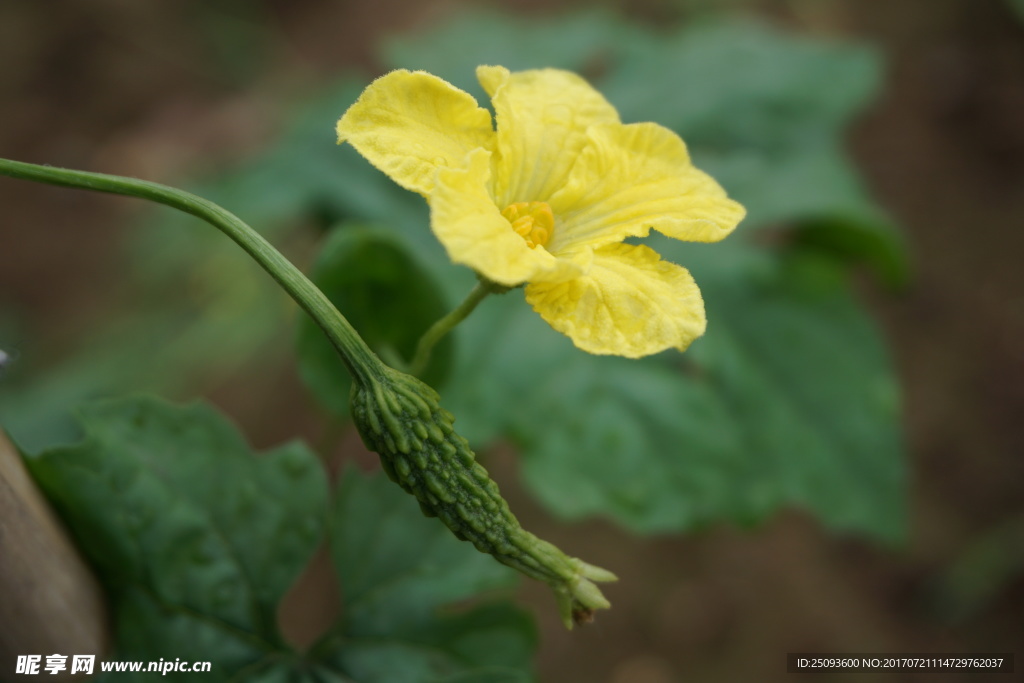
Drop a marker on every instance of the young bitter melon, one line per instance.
(401, 419)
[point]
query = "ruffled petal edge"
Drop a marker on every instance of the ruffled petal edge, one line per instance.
(630, 303)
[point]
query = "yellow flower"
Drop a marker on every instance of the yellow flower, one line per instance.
(548, 197)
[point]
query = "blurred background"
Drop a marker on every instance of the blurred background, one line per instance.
(189, 92)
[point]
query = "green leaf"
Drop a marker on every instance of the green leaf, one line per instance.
(581, 42)
(789, 400)
(386, 295)
(980, 575)
(234, 38)
(806, 377)
(194, 538)
(489, 677)
(764, 112)
(1018, 7)
(742, 82)
(400, 573)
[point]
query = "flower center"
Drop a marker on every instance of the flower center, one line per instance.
(533, 221)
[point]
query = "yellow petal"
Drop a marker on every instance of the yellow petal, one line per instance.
(473, 231)
(630, 303)
(409, 124)
(542, 117)
(632, 178)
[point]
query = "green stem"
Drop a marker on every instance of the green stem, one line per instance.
(445, 325)
(361, 362)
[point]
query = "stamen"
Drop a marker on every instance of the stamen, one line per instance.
(533, 221)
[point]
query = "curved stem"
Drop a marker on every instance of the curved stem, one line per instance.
(445, 325)
(360, 360)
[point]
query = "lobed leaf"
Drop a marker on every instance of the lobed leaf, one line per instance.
(788, 401)
(400, 572)
(194, 539)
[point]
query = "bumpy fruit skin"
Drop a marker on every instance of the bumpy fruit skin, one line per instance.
(400, 418)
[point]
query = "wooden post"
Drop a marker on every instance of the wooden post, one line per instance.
(50, 603)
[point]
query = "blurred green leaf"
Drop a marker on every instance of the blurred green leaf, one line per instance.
(854, 238)
(194, 539)
(235, 37)
(583, 41)
(806, 378)
(789, 400)
(385, 294)
(764, 112)
(1018, 7)
(743, 84)
(489, 677)
(399, 571)
(981, 575)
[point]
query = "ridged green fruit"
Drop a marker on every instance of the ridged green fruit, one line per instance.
(400, 418)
